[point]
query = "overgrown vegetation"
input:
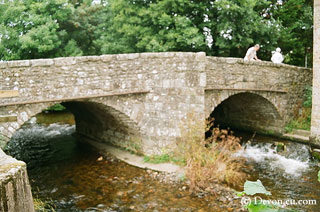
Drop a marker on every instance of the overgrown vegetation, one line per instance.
(209, 161)
(302, 120)
(319, 176)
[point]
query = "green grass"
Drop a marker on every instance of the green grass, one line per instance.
(302, 124)
(156, 159)
(164, 158)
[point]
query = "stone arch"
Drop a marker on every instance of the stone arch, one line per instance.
(100, 122)
(95, 121)
(24, 113)
(248, 111)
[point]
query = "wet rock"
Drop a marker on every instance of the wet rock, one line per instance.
(130, 191)
(316, 154)
(178, 195)
(136, 196)
(101, 206)
(222, 199)
(279, 146)
(120, 193)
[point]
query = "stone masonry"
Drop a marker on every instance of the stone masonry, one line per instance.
(140, 101)
(315, 118)
(15, 190)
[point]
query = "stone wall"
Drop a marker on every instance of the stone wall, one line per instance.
(15, 191)
(315, 119)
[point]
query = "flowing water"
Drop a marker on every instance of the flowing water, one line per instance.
(290, 174)
(74, 177)
(71, 176)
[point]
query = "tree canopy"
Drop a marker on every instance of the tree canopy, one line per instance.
(56, 28)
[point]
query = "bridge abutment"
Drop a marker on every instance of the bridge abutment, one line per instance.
(15, 190)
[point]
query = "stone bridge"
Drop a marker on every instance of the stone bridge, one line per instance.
(140, 101)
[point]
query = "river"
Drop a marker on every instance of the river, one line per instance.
(72, 176)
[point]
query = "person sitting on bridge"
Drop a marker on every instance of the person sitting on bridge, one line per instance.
(251, 54)
(277, 57)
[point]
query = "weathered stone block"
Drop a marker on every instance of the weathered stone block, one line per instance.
(187, 54)
(64, 61)
(127, 56)
(107, 57)
(3, 64)
(18, 63)
(42, 62)
(201, 56)
(149, 55)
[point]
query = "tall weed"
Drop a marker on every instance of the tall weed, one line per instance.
(209, 161)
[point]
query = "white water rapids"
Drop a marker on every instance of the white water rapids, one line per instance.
(292, 162)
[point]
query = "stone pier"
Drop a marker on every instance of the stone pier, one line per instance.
(315, 118)
(15, 190)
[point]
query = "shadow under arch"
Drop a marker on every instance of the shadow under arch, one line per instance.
(103, 123)
(94, 121)
(250, 112)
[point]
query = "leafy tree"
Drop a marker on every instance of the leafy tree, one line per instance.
(153, 26)
(40, 29)
(297, 36)
(221, 28)
(236, 25)
(296, 18)
(82, 27)
(31, 29)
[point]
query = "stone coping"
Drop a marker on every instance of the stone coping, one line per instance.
(8, 166)
(62, 61)
(200, 56)
(232, 60)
